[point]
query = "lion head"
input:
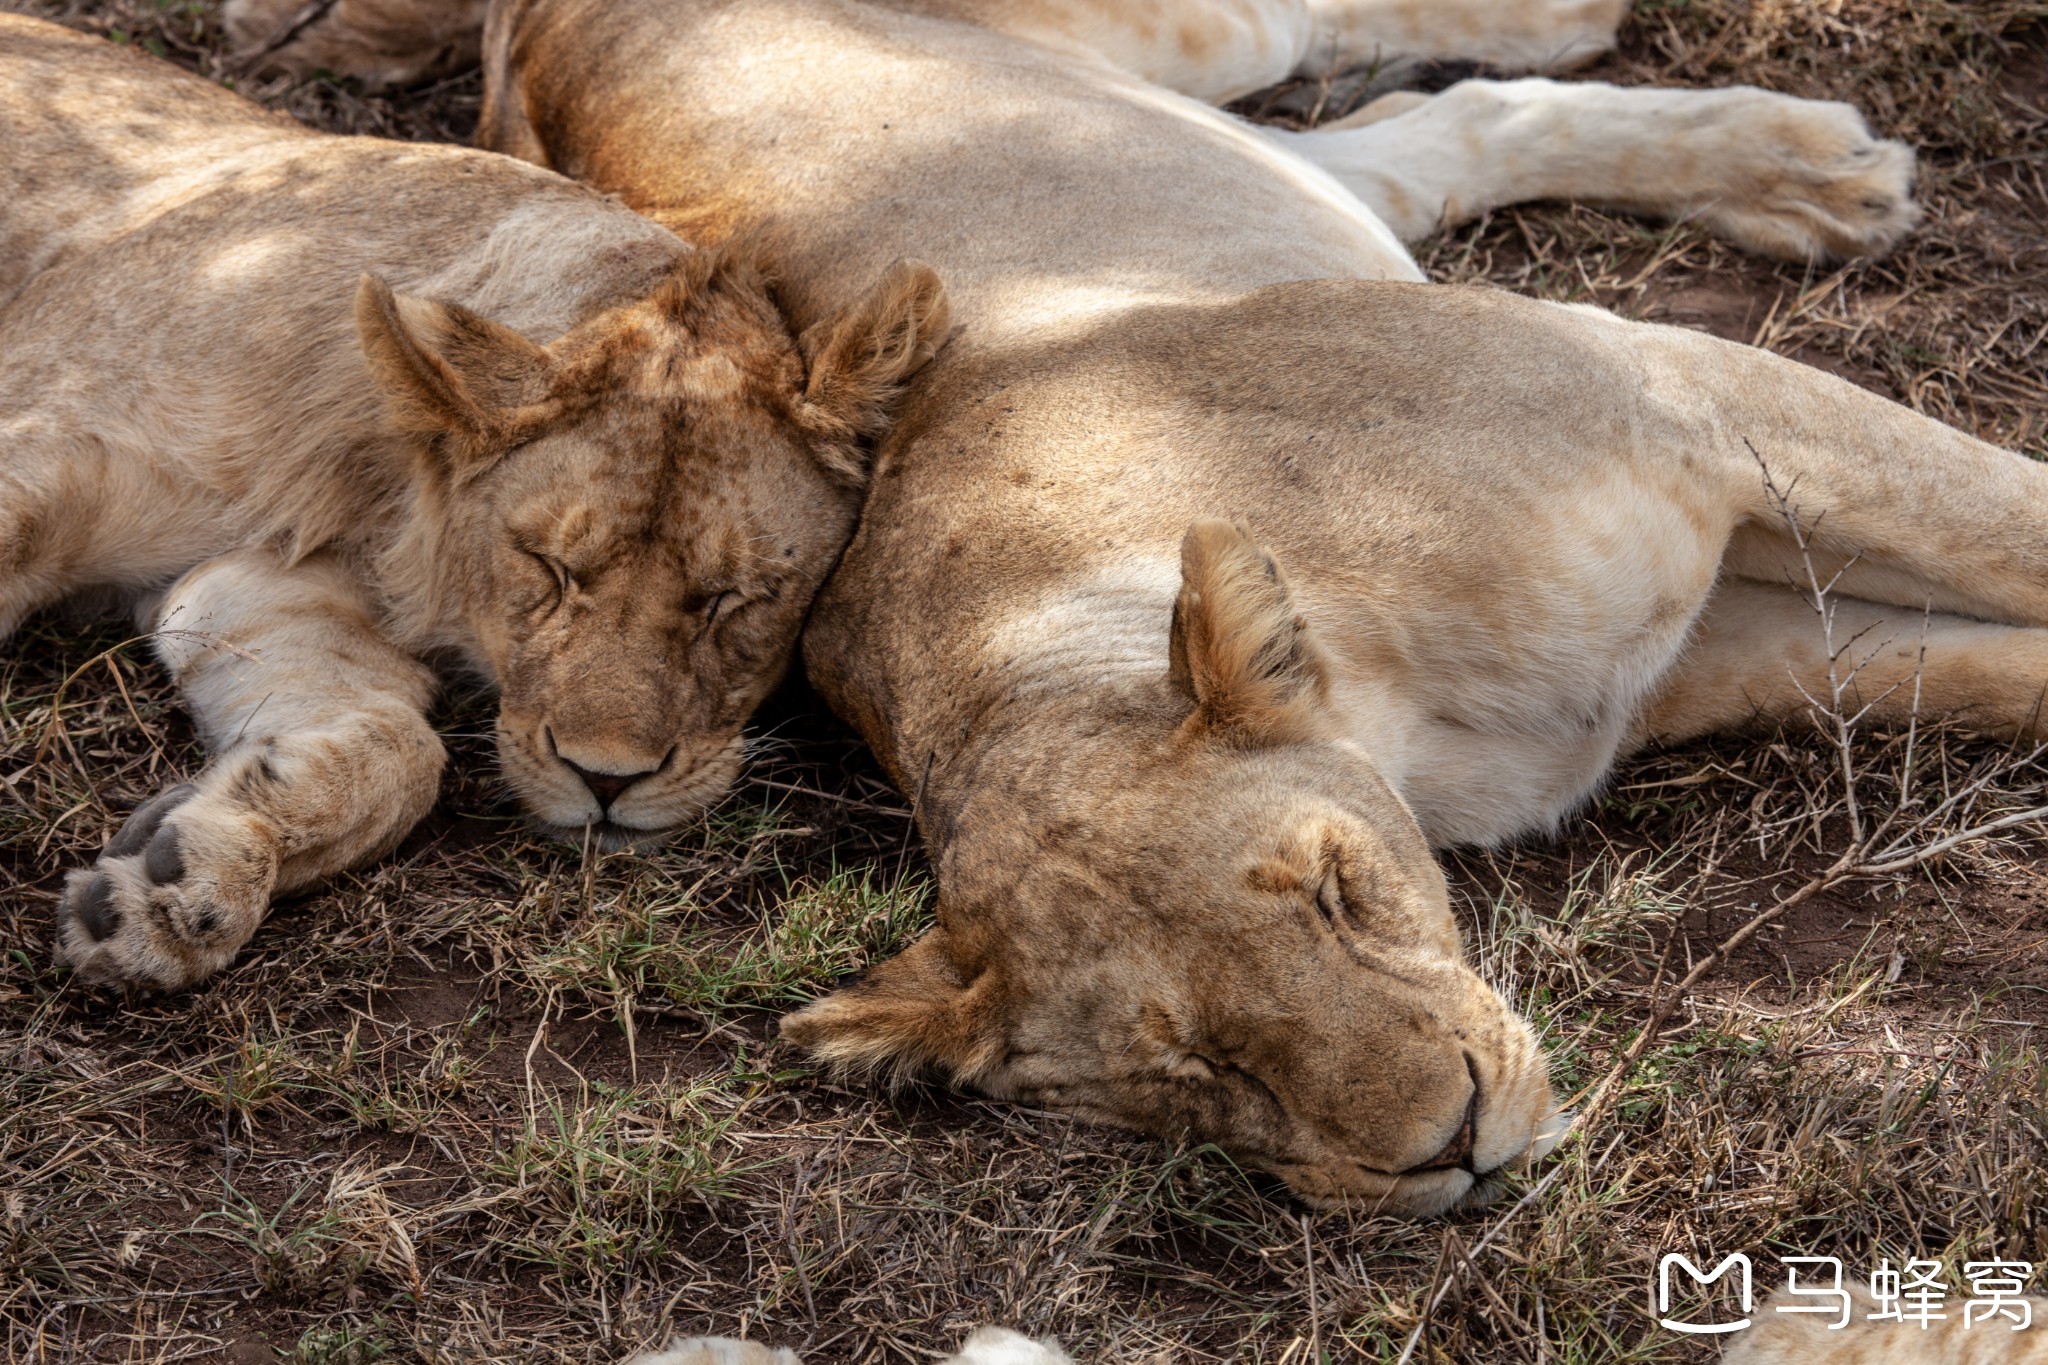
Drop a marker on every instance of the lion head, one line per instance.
(1219, 923)
(625, 528)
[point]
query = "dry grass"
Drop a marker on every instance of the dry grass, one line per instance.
(486, 1101)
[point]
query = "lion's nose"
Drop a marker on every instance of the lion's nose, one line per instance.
(607, 787)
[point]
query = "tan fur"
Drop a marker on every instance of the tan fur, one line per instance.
(1787, 177)
(1799, 1336)
(379, 42)
(321, 407)
(1214, 573)
(1807, 1338)
(984, 1346)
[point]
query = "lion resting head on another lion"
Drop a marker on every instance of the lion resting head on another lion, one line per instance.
(1272, 964)
(629, 524)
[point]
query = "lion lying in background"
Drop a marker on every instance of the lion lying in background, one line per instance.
(985, 1346)
(1785, 177)
(1798, 1335)
(558, 448)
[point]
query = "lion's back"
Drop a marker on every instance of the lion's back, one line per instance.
(178, 270)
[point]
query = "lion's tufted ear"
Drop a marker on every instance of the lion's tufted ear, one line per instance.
(913, 1013)
(464, 383)
(860, 361)
(1240, 651)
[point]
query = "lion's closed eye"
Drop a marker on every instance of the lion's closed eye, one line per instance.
(716, 607)
(1329, 898)
(713, 607)
(558, 574)
(1343, 910)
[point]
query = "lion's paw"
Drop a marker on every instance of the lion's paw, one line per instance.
(177, 891)
(1816, 184)
(1001, 1346)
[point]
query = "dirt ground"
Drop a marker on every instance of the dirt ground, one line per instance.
(490, 1100)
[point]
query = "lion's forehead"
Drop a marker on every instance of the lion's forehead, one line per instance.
(695, 376)
(650, 542)
(716, 357)
(680, 468)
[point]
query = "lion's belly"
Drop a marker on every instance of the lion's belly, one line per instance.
(1472, 787)
(1513, 690)
(1484, 773)
(922, 136)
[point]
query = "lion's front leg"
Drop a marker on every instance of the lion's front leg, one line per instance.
(321, 758)
(1796, 178)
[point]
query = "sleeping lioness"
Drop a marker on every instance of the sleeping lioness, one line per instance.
(319, 407)
(1219, 568)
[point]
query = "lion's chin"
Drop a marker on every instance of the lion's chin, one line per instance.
(1402, 1201)
(607, 836)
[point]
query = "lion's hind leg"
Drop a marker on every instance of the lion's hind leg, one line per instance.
(321, 758)
(1761, 655)
(1802, 179)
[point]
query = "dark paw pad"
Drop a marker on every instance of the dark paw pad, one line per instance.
(143, 820)
(95, 909)
(164, 860)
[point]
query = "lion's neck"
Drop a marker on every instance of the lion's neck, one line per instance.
(1107, 627)
(1057, 684)
(417, 572)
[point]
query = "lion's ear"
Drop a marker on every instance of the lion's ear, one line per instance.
(859, 361)
(462, 382)
(1240, 651)
(914, 1013)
